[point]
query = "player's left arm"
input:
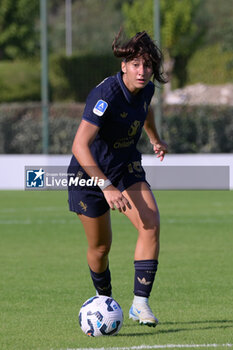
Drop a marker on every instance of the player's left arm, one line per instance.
(160, 147)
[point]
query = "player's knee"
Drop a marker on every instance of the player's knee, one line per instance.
(102, 250)
(150, 220)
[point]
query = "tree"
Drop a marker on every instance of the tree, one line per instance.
(218, 16)
(94, 25)
(17, 28)
(179, 32)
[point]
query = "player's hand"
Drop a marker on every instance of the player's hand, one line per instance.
(160, 148)
(116, 199)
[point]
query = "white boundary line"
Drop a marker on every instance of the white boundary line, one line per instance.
(167, 346)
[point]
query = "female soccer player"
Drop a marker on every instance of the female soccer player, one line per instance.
(104, 148)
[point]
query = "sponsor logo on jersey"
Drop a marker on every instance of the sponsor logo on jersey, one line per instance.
(100, 108)
(124, 142)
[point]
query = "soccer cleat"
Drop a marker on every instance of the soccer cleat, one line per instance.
(142, 312)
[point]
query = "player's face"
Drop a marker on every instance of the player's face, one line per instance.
(137, 74)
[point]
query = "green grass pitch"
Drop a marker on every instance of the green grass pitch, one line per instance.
(44, 278)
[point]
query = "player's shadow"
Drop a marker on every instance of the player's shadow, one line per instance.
(180, 327)
(197, 322)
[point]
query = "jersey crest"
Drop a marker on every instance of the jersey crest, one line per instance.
(100, 108)
(134, 128)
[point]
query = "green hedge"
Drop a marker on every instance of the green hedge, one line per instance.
(210, 65)
(70, 78)
(186, 129)
(20, 81)
(198, 129)
(21, 128)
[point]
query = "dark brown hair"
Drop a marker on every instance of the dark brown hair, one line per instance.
(140, 45)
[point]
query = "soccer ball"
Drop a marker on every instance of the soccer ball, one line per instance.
(100, 315)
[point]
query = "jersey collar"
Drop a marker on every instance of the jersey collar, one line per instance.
(129, 97)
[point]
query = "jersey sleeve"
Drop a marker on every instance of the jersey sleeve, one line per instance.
(96, 108)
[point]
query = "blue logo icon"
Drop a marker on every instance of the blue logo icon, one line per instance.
(35, 178)
(100, 108)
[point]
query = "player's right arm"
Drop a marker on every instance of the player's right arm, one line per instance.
(84, 137)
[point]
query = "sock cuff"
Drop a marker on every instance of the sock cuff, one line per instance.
(99, 274)
(142, 265)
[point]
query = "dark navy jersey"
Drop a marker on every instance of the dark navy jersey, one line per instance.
(120, 116)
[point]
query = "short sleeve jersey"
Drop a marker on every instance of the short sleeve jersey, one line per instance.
(120, 116)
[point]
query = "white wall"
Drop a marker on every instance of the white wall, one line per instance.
(184, 171)
(12, 172)
(190, 171)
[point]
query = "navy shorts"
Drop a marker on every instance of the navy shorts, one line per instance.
(90, 201)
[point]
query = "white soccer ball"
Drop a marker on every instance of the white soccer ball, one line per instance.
(100, 315)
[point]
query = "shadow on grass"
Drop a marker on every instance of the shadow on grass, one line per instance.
(220, 324)
(196, 322)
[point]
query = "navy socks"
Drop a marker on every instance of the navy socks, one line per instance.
(145, 271)
(102, 282)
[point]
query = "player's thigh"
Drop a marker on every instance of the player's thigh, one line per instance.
(98, 230)
(144, 212)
